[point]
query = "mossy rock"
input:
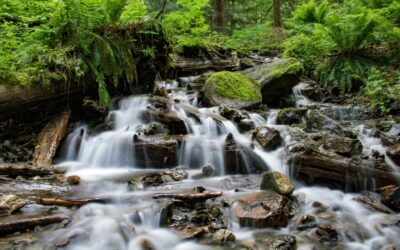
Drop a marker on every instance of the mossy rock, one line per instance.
(277, 79)
(231, 90)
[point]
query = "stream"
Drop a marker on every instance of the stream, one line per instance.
(106, 158)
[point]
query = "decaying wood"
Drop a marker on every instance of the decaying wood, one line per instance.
(49, 139)
(197, 64)
(70, 202)
(13, 224)
(190, 197)
(14, 170)
(16, 100)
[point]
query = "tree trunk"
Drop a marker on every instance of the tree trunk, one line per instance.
(219, 19)
(277, 13)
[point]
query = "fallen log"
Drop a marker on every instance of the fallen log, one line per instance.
(16, 100)
(189, 197)
(70, 202)
(14, 170)
(14, 224)
(49, 139)
(183, 64)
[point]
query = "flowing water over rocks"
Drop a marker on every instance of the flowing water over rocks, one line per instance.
(163, 172)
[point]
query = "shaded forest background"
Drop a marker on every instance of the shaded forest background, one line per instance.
(347, 46)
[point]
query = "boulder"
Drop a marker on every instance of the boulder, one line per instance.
(317, 121)
(290, 116)
(391, 197)
(394, 153)
(327, 233)
(263, 209)
(92, 109)
(157, 178)
(269, 138)
(241, 159)
(277, 79)
(310, 90)
(170, 119)
(278, 182)
(231, 90)
(306, 222)
(192, 219)
(342, 145)
(10, 203)
(284, 242)
(223, 235)
(155, 128)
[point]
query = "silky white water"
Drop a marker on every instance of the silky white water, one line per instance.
(106, 160)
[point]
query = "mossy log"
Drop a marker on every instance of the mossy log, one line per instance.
(16, 100)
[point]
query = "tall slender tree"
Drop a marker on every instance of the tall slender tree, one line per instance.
(219, 21)
(276, 4)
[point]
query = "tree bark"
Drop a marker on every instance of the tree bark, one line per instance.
(277, 13)
(219, 19)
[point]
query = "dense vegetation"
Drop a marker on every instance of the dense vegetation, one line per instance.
(347, 45)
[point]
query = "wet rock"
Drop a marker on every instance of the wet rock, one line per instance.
(276, 78)
(342, 145)
(10, 203)
(156, 151)
(278, 182)
(92, 109)
(158, 178)
(317, 121)
(246, 125)
(155, 128)
(284, 242)
(371, 202)
(347, 113)
(394, 153)
(246, 63)
(222, 236)
(170, 119)
(241, 159)
(306, 222)
(263, 209)
(206, 171)
(147, 245)
(160, 91)
(192, 219)
(232, 114)
(269, 138)
(391, 197)
(232, 90)
(309, 89)
(327, 233)
(290, 116)
(73, 180)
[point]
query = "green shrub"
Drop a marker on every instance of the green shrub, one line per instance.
(382, 89)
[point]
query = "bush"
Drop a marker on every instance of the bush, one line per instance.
(382, 89)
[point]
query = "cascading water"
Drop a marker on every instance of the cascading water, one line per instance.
(132, 221)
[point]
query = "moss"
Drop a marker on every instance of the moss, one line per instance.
(235, 86)
(287, 66)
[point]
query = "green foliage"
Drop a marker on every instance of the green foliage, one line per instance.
(382, 89)
(336, 43)
(235, 86)
(188, 24)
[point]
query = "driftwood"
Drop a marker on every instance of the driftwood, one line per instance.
(14, 170)
(189, 197)
(49, 139)
(16, 224)
(70, 202)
